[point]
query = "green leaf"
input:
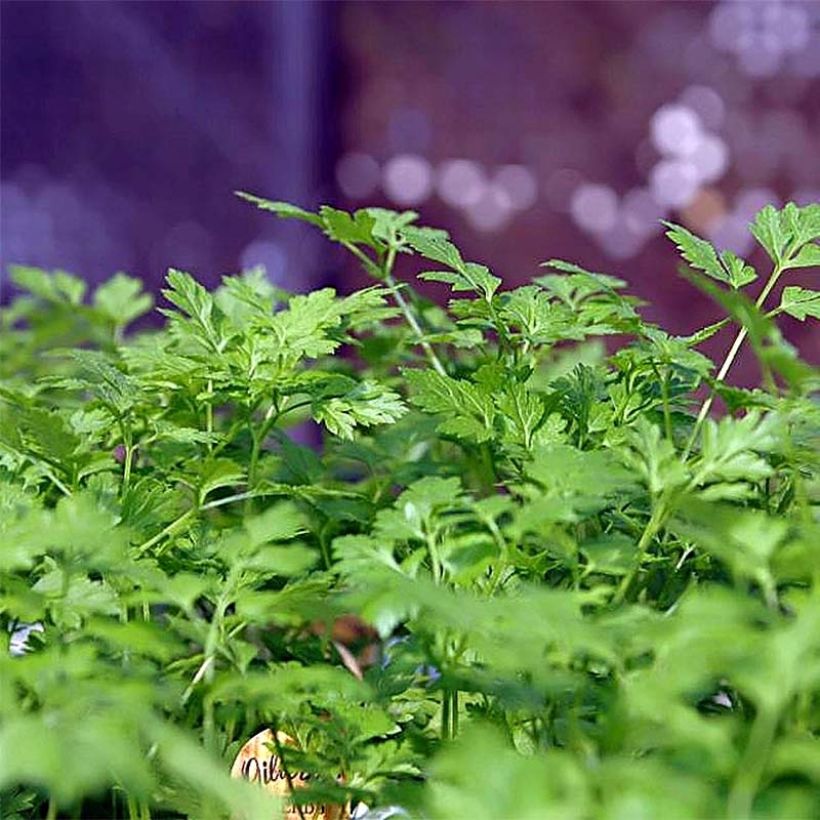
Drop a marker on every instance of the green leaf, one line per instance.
(122, 300)
(568, 472)
(282, 209)
(387, 223)
(216, 473)
(802, 222)
(434, 244)
(740, 272)
(767, 228)
(654, 458)
(190, 297)
(513, 786)
(342, 227)
(280, 522)
(113, 387)
(784, 234)
(524, 410)
(537, 316)
(807, 257)
(800, 302)
(468, 408)
(730, 448)
(610, 554)
(579, 284)
(743, 539)
(58, 287)
(365, 405)
(702, 256)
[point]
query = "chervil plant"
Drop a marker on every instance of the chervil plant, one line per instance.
(472, 564)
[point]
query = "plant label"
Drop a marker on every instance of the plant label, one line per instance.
(258, 762)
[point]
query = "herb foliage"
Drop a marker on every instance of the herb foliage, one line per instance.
(590, 598)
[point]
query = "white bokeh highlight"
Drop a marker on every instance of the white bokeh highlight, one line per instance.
(676, 130)
(594, 207)
(357, 175)
(460, 183)
(407, 179)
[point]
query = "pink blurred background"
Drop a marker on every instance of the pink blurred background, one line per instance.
(529, 130)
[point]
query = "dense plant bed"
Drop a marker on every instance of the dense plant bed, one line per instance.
(518, 578)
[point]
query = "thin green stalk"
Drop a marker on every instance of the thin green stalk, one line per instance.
(175, 524)
(52, 809)
(258, 438)
(500, 566)
(753, 764)
(207, 669)
(324, 547)
(386, 273)
(126, 472)
(169, 530)
(728, 362)
(128, 444)
(209, 414)
(435, 560)
(227, 438)
(412, 321)
(254, 459)
(652, 526)
(288, 777)
(59, 484)
(445, 714)
(230, 499)
(667, 415)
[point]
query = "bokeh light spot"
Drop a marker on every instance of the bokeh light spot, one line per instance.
(676, 130)
(674, 182)
(357, 175)
(460, 183)
(518, 183)
(594, 207)
(407, 179)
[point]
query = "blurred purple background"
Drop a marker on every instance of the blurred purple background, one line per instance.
(529, 130)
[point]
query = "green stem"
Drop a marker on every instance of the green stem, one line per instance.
(169, 530)
(228, 437)
(728, 362)
(445, 714)
(651, 529)
(500, 566)
(230, 499)
(126, 473)
(324, 547)
(435, 560)
(285, 768)
(59, 484)
(209, 414)
(412, 321)
(386, 273)
(52, 809)
(271, 417)
(211, 505)
(207, 670)
(751, 767)
(252, 465)
(667, 416)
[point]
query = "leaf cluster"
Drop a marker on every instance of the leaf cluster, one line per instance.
(473, 564)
